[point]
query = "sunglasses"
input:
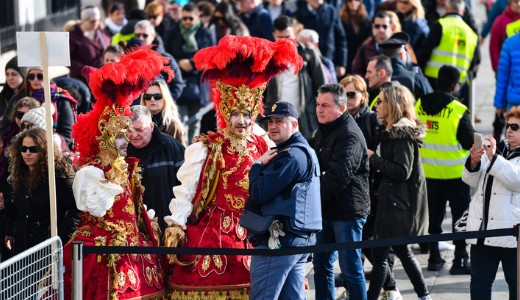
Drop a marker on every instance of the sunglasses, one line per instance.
(19, 114)
(153, 17)
(28, 126)
(379, 101)
(187, 18)
(513, 126)
(33, 76)
(155, 96)
(351, 95)
(377, 26)
(32, 149)
(144, 35)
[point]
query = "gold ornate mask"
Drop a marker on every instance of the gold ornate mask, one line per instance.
(241, 99)
(111, 123)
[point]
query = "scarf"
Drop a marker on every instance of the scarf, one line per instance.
(57, 94)
(188, 35)
(113, 27)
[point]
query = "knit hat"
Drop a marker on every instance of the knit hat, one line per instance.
(36, 117)
(13, 64)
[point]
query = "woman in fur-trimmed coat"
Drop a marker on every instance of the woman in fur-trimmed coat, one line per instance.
(402, 208)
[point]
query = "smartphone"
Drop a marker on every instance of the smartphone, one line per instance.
(477, 140)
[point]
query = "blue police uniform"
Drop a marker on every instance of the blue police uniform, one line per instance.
(287, 189)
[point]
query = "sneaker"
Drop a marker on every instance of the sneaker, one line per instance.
(435, 266)
(461, 266)
(392, 295)
(427, 297)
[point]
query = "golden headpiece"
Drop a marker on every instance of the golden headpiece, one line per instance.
(241, 67)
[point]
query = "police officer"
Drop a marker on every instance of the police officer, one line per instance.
(451, 42)
(284, 187)
(395, 48)
(446, 146)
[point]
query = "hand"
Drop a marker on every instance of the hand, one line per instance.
(500, 112)
(267, 156)
(185, 65)
(340, 71)
(9, 241)
(475, 155)
(370, 153)
(173, 236)
(491, 148)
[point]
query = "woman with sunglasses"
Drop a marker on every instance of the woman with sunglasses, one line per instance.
(13, 128)
(411, 15)
(494, 171)
(28, 205)
(165, 113)
(366, 119)
(402, 207)
(64, 104)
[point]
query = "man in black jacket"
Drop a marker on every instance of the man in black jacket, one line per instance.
(345, 201)
(160, 158)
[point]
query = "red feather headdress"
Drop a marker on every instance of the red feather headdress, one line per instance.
(115, 86)
(242, 67)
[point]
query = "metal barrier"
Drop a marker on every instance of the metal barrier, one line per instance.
(36, 273)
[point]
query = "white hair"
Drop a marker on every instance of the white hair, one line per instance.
(309, 34)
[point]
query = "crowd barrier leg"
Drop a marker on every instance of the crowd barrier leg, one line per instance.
(77, 270)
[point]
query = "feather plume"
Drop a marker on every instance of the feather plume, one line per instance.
(116, 84)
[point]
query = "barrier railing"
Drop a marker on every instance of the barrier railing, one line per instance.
(79, 250)
(36, 273)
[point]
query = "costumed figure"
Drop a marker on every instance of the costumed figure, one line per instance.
(108, 189)
(214, 177)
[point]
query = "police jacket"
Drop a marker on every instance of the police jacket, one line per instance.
(288, 186)
(342, 153)
(416, 83)
(160, 160)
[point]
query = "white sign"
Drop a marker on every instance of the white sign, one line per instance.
(29, 50)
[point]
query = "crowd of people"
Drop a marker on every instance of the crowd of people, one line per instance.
(249, 124)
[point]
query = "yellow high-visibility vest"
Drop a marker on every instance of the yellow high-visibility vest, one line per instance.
(513, 28)
(442, 155)
(457, 46)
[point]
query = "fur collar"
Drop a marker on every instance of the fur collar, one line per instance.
(406, 128)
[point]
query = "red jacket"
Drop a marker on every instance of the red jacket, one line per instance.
(498, 34)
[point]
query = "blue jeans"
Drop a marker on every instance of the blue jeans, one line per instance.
(340, 231)
(278, 277)
(484, 266)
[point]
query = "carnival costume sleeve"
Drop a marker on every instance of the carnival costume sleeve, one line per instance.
(188, 174)
(93, 193)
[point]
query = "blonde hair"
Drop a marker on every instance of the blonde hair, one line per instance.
(394, 22)
(359, 84)
(170, 112)
(400, 103)
(417, 10)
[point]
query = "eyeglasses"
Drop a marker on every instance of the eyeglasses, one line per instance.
(187, 18)
(33, 76)
(513, 126)
(377, 26)
(144, 35)
(32, 149)
(153, 17)
(19, 114)
(351, 95)
(155, 96)
(24, 126)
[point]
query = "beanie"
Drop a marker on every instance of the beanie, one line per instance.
(35, 116)
(13, 64)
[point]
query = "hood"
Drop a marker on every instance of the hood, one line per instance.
(406, 128)
(436, 101)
